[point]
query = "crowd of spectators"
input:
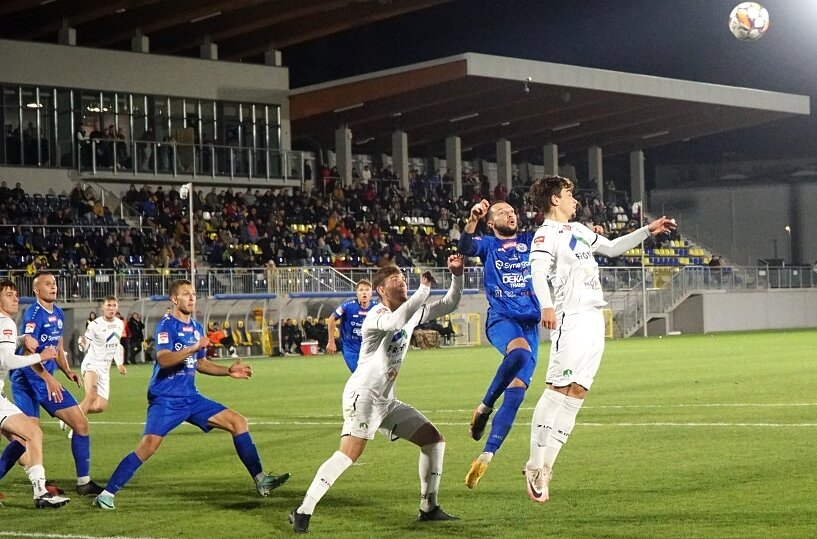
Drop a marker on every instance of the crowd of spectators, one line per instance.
(371, 222)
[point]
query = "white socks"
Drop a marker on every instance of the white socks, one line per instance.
(431, 471)
(562, 427)
(553, 420)
(36, 474)
(543, 415)
(327, 474)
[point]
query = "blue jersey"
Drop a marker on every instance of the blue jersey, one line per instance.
(508, 285)
(46, 328)
(179, 380)
(351, 316)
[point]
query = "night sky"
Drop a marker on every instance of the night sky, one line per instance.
(685, 39)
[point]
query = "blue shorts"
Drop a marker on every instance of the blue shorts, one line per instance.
(167, 413)
(351, 357)
(29, 395)
(501, 331)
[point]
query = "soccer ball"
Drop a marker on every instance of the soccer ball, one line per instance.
(749, 21)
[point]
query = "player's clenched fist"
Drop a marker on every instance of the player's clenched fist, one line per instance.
(456, 265)
(428, 279)
(480, 210)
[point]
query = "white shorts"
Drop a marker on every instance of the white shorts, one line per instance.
(364, 414)
(576, 347)
(7, 409)
(103, 373)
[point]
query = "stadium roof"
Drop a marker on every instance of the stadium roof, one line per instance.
(243, 29)
(483, 98)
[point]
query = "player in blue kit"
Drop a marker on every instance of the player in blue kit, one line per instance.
(181, 350)
(351, 314)
(35, 387)
(511, 325)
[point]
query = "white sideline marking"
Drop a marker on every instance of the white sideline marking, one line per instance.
(339, 422)
(5, 533)
(703, 405)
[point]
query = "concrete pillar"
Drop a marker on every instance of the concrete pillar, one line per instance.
(343, 153)
(140, 43)
(453, 161)
(399, 155)
(208, 50)
(551, 159)
(637, 176)
(595, 169)
(273, 58)
(801, 222)
(504, 165)
(67, 36)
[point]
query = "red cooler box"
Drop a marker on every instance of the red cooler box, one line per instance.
(309, 348)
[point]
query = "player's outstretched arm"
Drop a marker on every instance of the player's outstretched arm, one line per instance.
(392, 321)
(236, 370)
(9, 360)
(451, 300)
(623, 244)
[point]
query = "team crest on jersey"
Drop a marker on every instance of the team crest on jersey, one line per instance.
(197, 335)
(163, 338)
(521, 247)
(539, 239)
(30, 327)
(509, 244)
(59, 324)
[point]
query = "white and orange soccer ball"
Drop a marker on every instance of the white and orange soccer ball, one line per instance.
(749, 21)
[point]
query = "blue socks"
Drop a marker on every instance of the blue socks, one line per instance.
(511, 364)
(123, 472)
(11, 454)
(504, 418)
(248, 453)
(81, 449)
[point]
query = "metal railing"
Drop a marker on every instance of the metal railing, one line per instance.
(103, 156)
(666, 287)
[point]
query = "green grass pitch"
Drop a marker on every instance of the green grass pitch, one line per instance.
(692, 436)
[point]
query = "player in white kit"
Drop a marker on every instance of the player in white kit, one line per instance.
(102, 342)
(562, 254)
(369, 404)
(14, 423)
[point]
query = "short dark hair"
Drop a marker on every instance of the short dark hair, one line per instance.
(543, 188)
(7, 283)
(106, 299)
(175, 285)
(383, 274)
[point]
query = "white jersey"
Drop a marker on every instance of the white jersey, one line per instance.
(103, 341)
(8, 345)
(573, 272)
(387, 334)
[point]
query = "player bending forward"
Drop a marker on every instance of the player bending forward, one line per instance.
(369, 403)
(12, 421)
(562, 254)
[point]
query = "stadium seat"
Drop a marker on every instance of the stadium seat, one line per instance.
(242, 337)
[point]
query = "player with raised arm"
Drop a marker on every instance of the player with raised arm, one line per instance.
(181, 351)
(101, 344)
(562, 258)
(512, 324)
(34, 387)
(23, 432)
(369, 403)
(350, 313)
